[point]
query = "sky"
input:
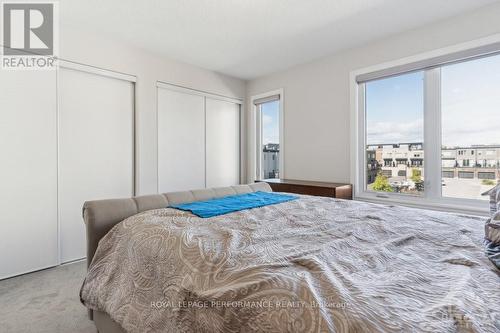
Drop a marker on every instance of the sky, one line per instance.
(470, 105)
(270, 122)
(394, 109)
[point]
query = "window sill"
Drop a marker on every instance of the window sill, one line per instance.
(469, 207)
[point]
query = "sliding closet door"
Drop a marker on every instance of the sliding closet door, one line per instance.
(95, 149)
(223, 143)
(181, 141)
(28, 171)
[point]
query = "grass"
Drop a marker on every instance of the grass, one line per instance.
(488, 182)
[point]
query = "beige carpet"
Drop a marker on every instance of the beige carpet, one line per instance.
(45, 302)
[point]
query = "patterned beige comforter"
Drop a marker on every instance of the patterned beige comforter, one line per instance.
(309, 265)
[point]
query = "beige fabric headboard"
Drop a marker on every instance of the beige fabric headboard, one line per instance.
(101, 215)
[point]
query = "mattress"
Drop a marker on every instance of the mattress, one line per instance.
(310, 265)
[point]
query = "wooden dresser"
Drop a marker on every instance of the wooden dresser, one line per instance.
(323, 189)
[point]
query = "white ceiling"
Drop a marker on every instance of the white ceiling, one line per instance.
(251, 38)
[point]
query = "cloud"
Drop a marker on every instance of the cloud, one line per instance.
(471, 121)
(395, 132)
(458, 129)
(267, 120)
(270, 139)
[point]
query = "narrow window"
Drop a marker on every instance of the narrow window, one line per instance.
(268, 137)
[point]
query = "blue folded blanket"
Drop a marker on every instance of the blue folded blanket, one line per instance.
(234, 203)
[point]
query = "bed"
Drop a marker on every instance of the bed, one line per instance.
(313, 264)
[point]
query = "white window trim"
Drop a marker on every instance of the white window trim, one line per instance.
(255, 145)
(432, 120)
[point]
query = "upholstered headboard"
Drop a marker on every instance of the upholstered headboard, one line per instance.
(101, 215)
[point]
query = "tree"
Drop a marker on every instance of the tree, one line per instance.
(416, 175)
(381, 184)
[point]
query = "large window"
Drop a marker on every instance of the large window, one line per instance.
(430, 134)
(268, 114)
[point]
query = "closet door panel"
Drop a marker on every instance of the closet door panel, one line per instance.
(181, 141)
(28, 171)
(222, 143)
(95, 149)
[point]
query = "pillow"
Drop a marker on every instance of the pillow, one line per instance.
(492, 227)
(494, 194)
(492, 239)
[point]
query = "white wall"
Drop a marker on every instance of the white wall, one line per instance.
(316, 95)
(101, 52)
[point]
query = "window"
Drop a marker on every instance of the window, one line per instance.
(268, 143)
(387, 173)
(470, 111)
(394, 124)
(448, 174)
(433, 126)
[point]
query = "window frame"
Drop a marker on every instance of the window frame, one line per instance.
(432, 197)
(255, 144)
